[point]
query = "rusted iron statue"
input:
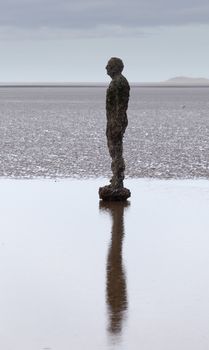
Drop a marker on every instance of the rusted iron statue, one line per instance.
(116, 106)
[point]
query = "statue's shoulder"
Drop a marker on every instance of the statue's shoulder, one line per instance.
(121, 82)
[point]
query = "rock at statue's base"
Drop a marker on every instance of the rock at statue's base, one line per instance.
(107, 193)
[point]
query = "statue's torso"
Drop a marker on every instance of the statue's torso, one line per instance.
(117, 98)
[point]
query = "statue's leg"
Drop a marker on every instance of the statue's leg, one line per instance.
(118, 165)
(111, 148)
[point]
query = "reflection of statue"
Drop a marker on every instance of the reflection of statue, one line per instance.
(117, 121)
(116, 293)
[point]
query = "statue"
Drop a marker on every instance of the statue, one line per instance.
(116, 106)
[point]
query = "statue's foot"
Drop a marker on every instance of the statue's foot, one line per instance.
(108, 193)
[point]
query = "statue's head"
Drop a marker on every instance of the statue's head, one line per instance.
(114, 66)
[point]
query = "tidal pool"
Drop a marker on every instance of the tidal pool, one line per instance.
(80, 274)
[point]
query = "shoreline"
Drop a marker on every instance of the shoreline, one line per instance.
(100, 85)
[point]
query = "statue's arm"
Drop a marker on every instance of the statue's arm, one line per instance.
(115, 109)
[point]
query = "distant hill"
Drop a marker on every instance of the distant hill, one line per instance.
(187, 80)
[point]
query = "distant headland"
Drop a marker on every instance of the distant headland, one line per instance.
(187, 80)
(180, 81)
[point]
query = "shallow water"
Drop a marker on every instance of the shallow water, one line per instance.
(60, 132)
(76, 274)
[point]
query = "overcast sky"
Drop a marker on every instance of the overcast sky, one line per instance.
(70, 41)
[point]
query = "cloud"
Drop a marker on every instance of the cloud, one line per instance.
(11, 33)
(99, 17)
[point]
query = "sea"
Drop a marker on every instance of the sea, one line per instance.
(59, 132)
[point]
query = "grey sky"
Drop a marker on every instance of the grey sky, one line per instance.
(44, 39)
(90, 14)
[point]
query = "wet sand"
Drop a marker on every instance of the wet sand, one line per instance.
(78, 274)
(60, 132)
